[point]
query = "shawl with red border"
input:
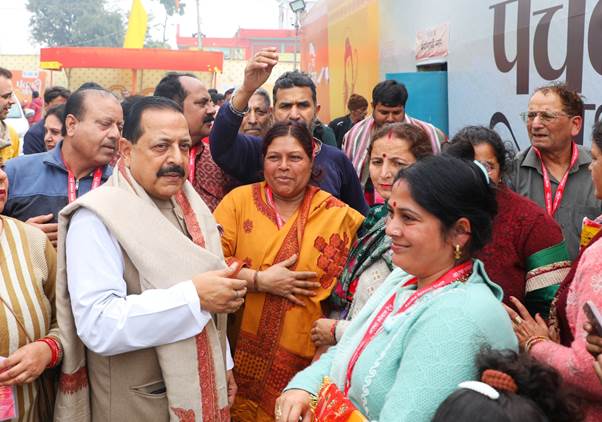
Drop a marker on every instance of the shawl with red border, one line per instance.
(194, 370)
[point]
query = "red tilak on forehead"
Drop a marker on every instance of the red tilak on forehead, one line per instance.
(390, 135)
(394, 204)
(384, 155)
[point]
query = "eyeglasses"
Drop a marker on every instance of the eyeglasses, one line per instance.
(544, 116)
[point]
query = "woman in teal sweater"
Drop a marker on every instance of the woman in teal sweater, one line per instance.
(417, 337)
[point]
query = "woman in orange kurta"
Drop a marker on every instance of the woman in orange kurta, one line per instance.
(268, 223)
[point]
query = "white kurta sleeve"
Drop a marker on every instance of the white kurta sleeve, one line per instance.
(108, 320)
(229, 361)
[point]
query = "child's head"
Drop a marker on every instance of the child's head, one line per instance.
(513, 388)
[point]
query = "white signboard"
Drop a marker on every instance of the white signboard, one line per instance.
(502, 50)
(432, 44)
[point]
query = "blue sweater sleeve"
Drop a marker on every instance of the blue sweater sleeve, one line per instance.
(237, 154)
(351, 191)
(33, 141)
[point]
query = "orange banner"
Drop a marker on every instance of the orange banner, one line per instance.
(353, 35)
(25, 82)
(338, 36)
(314, 54)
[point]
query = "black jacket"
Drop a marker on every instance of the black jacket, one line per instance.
(340, 127)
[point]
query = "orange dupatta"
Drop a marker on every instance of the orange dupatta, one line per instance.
(274, 340)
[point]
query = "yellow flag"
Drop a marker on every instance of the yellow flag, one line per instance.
(134, 38)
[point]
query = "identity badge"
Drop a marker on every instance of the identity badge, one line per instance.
(8, 405)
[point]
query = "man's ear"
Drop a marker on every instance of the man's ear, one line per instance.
(576, 125)
(125, 150)
(70, 124)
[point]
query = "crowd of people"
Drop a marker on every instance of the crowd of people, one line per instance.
(193, 256)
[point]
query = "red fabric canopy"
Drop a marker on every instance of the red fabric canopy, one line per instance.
(57, 58)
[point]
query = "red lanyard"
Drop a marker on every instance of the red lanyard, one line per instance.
(71, 184)
(376, 325)
(270, 198)
(191, 162)
(552, 205)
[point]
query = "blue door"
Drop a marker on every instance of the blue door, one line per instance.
(427, 96)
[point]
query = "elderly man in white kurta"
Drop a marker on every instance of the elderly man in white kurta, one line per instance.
(143, 288)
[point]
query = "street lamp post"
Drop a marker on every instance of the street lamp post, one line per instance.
(199, 39)
(296, 40)
(297, 6)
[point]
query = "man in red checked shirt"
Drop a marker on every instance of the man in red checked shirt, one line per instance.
(211, 183)
(553, 171)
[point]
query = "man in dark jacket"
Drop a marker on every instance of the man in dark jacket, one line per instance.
(295, 99)
(358, 108)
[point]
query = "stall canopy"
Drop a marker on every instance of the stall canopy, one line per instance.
(59, 58)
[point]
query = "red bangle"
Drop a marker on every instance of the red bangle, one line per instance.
(55, 351)
(333, 330)
(59, 347)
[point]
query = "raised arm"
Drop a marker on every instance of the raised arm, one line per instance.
(257, 72)
(237, 154)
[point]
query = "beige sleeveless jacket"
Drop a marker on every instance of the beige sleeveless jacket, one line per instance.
(185, 380)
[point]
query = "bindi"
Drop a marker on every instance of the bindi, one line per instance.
(394, 204)
(384, 155)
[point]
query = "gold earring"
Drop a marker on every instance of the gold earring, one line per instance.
(457, 252)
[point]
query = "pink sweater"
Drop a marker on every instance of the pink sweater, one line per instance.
(574, 363)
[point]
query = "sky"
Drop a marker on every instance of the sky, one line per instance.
(219, 18)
